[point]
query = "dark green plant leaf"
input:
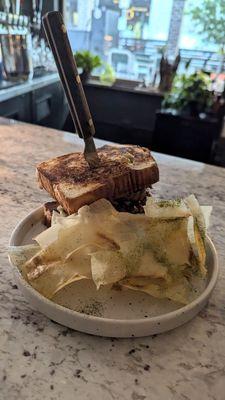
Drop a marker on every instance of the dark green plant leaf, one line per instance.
(87, 61)
(187, 90)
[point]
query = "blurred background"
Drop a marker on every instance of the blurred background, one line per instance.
(153, 71)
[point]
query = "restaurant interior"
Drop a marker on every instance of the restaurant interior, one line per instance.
(153, 71)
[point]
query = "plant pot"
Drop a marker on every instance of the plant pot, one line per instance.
(194, 109)
(84, 76)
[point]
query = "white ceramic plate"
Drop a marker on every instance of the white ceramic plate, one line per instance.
(107, 312)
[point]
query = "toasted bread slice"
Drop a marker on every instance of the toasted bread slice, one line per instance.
(123, 170)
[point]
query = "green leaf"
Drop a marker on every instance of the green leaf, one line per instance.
(209, 20)
(87, 61)
(189, 89)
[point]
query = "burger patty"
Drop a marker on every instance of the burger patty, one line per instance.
(49, 207)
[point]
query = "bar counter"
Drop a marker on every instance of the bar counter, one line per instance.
(28, 86)
(40, 359)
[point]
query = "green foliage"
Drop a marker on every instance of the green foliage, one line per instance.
(87, 61)
(189, 90)
(108, 76)
(209, 18)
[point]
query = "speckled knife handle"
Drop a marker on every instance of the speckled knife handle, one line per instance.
(58, 41)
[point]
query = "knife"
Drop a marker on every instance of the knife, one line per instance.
(58, 41)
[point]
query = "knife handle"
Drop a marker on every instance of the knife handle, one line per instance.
(58, 41)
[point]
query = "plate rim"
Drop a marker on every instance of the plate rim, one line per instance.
(82, 316)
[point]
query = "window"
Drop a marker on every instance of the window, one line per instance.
(190, 38)
(193, 45)
(128, 34)
(159, 22)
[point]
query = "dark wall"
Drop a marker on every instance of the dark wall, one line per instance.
(122, 116)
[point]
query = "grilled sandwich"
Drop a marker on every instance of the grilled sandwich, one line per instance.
(123, 172)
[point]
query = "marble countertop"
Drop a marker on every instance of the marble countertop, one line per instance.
(40, 359)
(28, 86)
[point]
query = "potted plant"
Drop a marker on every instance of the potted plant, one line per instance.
(190, 95)
(180, 129)
(87, 62)
(167, 71)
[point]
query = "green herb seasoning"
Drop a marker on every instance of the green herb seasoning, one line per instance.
(169, 203)
(94, 308)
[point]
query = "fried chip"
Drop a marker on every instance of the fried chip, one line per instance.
(155, 252)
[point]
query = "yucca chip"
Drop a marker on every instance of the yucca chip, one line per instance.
(156, 252)
(178, 290)
(19, 255)
(166, 209)
(107, 267)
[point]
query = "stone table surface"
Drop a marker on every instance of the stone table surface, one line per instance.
(40, 359)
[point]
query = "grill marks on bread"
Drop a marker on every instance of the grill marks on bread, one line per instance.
(122, 171)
